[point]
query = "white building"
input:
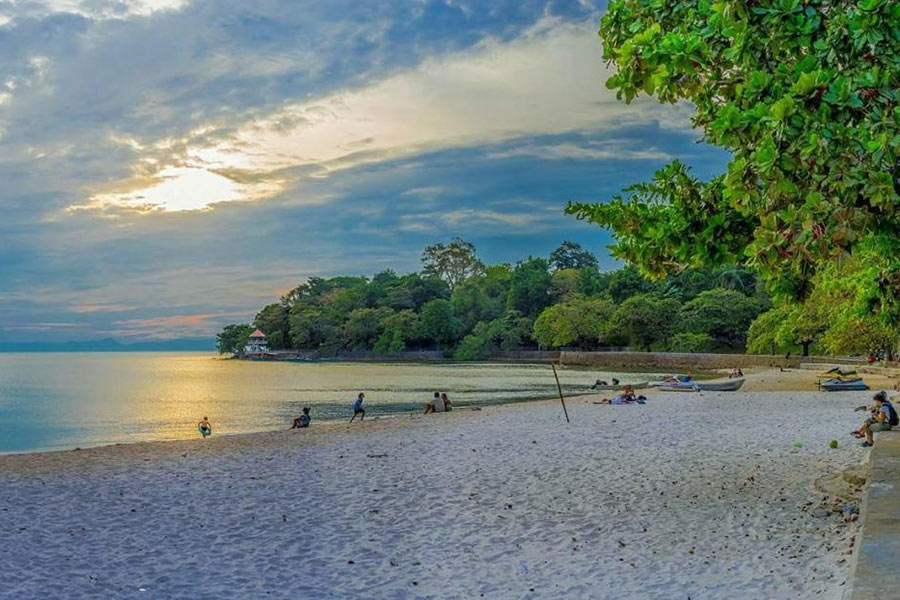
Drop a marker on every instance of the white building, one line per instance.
(257, 343)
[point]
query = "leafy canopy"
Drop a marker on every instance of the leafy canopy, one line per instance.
(454, 262)
(805, 98)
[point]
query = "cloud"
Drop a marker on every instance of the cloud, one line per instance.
(538, 84)
(101, 308)
(617, 150)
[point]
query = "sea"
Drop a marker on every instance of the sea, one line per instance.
(59, 401)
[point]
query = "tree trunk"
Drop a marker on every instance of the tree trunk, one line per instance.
(805, 348)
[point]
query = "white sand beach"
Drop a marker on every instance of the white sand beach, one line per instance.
(691, 496)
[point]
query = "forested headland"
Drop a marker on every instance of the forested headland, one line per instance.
(469, 310)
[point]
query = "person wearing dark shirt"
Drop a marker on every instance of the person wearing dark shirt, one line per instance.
(302, 421)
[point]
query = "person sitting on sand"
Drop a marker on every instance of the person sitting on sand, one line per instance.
(882, 418)
(448, 406)
(358, 408)
(204, 427)
(435, 404)
(302, 421)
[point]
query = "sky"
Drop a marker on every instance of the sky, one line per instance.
(170, 166)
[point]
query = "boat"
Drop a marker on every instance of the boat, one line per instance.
(728, 385)
(609, 388)
(673, 380)
(844, 385)
(681, 386)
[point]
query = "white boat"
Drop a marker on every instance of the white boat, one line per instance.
(727, 385)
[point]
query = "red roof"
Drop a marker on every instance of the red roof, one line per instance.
(257, 334)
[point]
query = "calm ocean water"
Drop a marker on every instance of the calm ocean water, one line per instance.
(51, 401)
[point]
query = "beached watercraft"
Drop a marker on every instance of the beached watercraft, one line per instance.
(681, 386)
(844, 385)
(674, 380)
(606, 387)
(728, 385)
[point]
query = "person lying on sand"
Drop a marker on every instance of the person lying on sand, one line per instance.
(882, 418)
(204, 427)
(448, 406)
(303, 420)
(624, 399)
(358, 408)
(435, 405)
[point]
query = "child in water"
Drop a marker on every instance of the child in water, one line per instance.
(204, 427)
(302, 421)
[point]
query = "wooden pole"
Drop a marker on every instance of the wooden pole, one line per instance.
(559, 389)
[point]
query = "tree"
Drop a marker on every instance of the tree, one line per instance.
(692, 342)
(454, 262)
(273, 321)
(565, 284)
(529, 287)
(398, 329)
(580, 322)
(471, 305)
(313, 328)
(645, 319)
(803, 96)
(570, 255)
(723, 315)
(627, 282)
(438, 323)
(233, 338)
(363, 326)
(508, 332)
(762, 337)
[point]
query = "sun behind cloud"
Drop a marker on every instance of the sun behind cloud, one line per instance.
(177, 189)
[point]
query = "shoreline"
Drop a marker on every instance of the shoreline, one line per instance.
(756, 380)
(642, 501)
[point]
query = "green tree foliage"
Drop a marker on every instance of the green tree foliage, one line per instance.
(471, 305)
(571, 255)
(454, 262)
(233, 338)
(565, 284)
(314, 328)
(363, 326)
(804, 97)
(489, 312)
(763, 336)
(692, 342)
(529, 287)
(579, 322)
(273, 321)
(398, 329)
(592, 282)
(628, 282)
(645, 319)
(509, 332)
(723, 315)
(438, 323)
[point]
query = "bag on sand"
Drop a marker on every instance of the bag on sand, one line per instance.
(893, 419)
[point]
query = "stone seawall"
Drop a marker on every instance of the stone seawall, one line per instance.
(878, 541)
(681, 361)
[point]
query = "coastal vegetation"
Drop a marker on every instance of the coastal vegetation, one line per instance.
(804, 97)
(468, 310)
